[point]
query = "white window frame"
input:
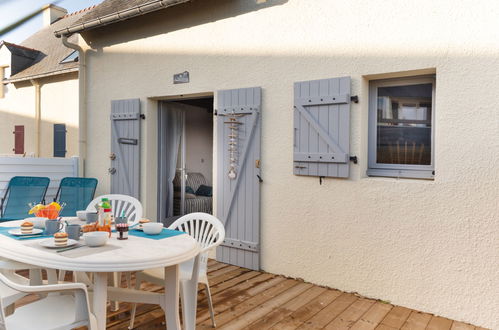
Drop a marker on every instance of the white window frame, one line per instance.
(398, 170)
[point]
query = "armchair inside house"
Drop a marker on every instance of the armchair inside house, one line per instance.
(198, 197)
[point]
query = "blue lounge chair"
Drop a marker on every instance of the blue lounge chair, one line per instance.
(76, 193)
(21, 191)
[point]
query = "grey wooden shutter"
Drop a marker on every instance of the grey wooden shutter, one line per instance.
(238, 200)
(322, 127)
(125, 147)
(59, 140)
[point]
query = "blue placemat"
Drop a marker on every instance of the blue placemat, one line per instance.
(164, 234)
(5, 230)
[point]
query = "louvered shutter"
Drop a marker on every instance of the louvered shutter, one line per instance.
(238, 199)
(322, 127)
(18, 139)
(59, 140)
(125, 147)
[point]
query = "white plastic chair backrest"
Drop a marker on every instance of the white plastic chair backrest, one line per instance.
(206, 229)
(119, 203)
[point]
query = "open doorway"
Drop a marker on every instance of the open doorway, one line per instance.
(185, 168)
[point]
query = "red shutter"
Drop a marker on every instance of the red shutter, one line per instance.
(18, 139)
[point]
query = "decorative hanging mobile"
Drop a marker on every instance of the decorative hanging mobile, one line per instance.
(234, 127)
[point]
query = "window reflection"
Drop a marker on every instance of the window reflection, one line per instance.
(404, 124)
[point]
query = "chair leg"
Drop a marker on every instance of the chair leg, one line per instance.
(210, 304)
(62, 275)
(134, 305)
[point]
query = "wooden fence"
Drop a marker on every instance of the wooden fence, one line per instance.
(53, 168)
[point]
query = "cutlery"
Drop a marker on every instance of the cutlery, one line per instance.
(69, 248)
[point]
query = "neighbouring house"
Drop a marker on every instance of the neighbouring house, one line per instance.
(39, 91)
(353, 144)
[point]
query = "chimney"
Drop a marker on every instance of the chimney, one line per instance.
(52, 13)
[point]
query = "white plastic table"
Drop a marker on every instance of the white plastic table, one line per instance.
(134, 254)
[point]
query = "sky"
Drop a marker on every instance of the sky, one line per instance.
(12, 10)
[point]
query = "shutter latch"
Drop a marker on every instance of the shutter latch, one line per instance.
(354, 159)
(354, 99)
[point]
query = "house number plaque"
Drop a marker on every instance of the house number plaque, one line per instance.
(181, 78)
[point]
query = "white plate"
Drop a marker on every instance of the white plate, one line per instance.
(49, 243)
(17, 232)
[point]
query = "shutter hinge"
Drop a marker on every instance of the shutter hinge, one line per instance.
(354, 99)
(215, 113)
(320, 179)
(142, 116)
(354, 159)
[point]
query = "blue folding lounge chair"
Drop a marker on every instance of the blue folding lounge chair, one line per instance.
(77, 193)
(21, 191)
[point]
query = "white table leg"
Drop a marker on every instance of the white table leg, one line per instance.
(190, 297)
(100, 299)
(171, 296)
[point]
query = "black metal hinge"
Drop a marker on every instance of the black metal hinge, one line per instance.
(354, 99)
(354, 159)
(142, 116)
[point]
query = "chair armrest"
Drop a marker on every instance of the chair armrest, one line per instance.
(42, 288)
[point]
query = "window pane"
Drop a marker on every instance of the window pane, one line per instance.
(404, 125)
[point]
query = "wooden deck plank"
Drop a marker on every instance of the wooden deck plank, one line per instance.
(248, 304)
(305, 312)
(248, 299)
(261, 310)
(282, 312)
(396, 317)
(330, 312)
(350, 315)
(235, 295)
(416, 321)
(461, 326)
(373, 317)
(439, 323)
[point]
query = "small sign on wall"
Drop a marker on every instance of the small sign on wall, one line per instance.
(181, 78)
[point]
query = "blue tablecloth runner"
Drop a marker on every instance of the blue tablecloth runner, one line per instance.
(165, 233)
(4, 231)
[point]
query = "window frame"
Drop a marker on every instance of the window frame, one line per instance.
(398, 170)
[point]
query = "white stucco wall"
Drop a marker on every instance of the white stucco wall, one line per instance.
(428, 245)
(59, 105)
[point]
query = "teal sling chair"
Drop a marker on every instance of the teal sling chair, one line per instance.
(76, 194)
(21, 191)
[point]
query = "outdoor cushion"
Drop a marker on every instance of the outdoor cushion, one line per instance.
(204, 191)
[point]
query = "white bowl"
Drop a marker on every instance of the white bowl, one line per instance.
(96, 238)
(38, 222)
(152, 228)
(82, 215)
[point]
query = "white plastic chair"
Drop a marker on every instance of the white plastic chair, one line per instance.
(67, 310)
(209, 232)
(119, 204)
(132, 209)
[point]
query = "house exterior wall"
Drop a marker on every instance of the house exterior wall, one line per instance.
(425, 244)
(59, 105)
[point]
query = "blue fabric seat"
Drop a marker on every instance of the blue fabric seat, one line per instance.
(76, 193)
(21, 191)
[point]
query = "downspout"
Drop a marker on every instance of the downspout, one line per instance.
(38, 113)
(82, 105)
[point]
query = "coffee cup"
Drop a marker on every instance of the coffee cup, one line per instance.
(52, 227)
(92, 217)
(73, 231)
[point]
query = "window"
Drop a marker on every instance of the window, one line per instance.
(401, 132)
(73, 57)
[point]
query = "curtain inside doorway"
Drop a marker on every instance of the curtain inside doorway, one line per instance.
(171, 133)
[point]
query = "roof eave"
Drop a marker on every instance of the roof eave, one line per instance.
(119, 16)
(40, 75)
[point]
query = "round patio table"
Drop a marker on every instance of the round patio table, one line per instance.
(134, 254)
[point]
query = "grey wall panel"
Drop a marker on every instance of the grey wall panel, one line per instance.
(238, 200)
(125, 145)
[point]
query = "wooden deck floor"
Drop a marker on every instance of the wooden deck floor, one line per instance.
(246, 299)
